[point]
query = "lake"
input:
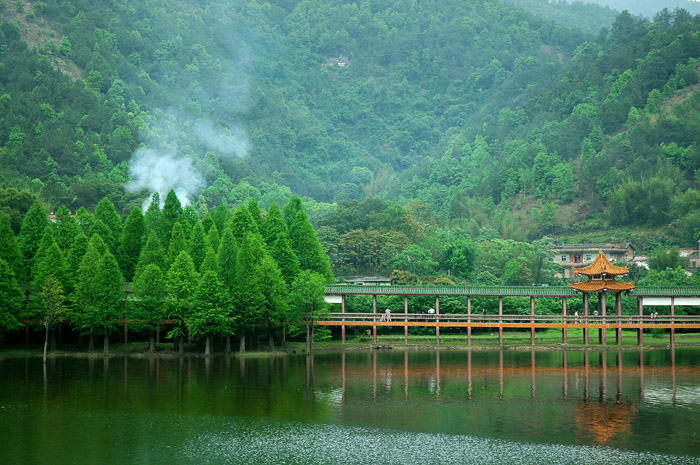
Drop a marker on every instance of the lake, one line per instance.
(364, 406)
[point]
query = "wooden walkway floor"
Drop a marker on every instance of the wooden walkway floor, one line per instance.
(501, 322)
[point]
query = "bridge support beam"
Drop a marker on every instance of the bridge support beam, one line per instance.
(469, 320)
(673, 330)
(563, 314)
(602, 306)
(640, 312)
(618, 314)
(374, 318)
(342, 310)
(532, 320)
(405, 311)
(500, 317)
(437, 320)
(585, 317)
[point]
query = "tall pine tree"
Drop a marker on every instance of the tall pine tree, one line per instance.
(130, 243)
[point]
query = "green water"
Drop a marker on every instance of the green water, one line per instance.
(369, 406)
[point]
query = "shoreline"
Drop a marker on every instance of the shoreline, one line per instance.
(334, 347)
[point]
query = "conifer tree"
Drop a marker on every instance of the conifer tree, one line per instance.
(221, 217)
(247, 297)
(86, 313)
(152, 253)
(49, 262)
(227, 257)
(53, 300)
(35, 222)
(281, 251)
(85, 220)
(110, 298)
(9, 250)
(274, 225)
(290, 210)
(255, 213)
(274, 291)
(105, 212)
(172, 211)
(242, 223)
(74, 257)
(209, 313)
(10, 299)
(197, 245)
(153, 218)
(99, 228)
(307, 301)
(177, 244)
(65, 228)
(150, 289)
(131, 242)
(213, 237)
(210, 262)
(308, 248)
(45, 243)
(207, 222)
(182, 281)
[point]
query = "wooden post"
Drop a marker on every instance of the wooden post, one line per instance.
(585, 317)
(469, 320)
(437, 320)
(532, 320)
(405, 311)
(618, 314)
(602, 332)
(374, 318)
(342, 310)
(563, 314)
(640, 312)
(673, 313)
(500, 318)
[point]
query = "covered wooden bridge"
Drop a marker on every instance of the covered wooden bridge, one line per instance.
(601, 281)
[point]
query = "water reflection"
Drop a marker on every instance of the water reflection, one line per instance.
(646, 401)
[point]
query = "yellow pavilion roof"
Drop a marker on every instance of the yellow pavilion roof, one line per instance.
(594, 285)
(602, 266)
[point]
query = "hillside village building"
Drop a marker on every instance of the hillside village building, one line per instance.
(571, 256)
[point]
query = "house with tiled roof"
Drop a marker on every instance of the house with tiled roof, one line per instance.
(572, 256)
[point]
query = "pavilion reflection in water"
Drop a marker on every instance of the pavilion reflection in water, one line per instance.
(604, 391)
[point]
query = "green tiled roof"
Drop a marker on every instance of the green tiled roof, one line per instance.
(499, 291)
(486, 291)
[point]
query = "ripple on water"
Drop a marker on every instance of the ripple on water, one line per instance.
(284, 443)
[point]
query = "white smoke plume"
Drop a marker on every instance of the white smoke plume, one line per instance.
(231, 141)
(158, 171)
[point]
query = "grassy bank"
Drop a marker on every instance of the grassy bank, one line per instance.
(544, 340)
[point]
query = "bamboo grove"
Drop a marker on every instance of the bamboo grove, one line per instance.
(243, 273)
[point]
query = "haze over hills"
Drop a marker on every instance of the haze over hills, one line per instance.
(488, 115)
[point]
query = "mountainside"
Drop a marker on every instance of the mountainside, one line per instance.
(489, 116)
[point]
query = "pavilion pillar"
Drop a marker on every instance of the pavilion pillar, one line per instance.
(405, 312)
(374, 318)
(437, 320)
(585, 318)
(342, 310)
(673, 330)
(618, 314)
(500, 321)
(601, 331)
(532, 320)
(469, 320)
(563, 314)
(640, 313)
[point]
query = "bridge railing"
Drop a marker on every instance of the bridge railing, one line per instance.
(499, 319)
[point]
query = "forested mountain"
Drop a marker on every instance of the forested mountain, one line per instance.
(649, 8)
(463, 114)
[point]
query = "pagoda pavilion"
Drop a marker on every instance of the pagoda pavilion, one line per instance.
(601, 279)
